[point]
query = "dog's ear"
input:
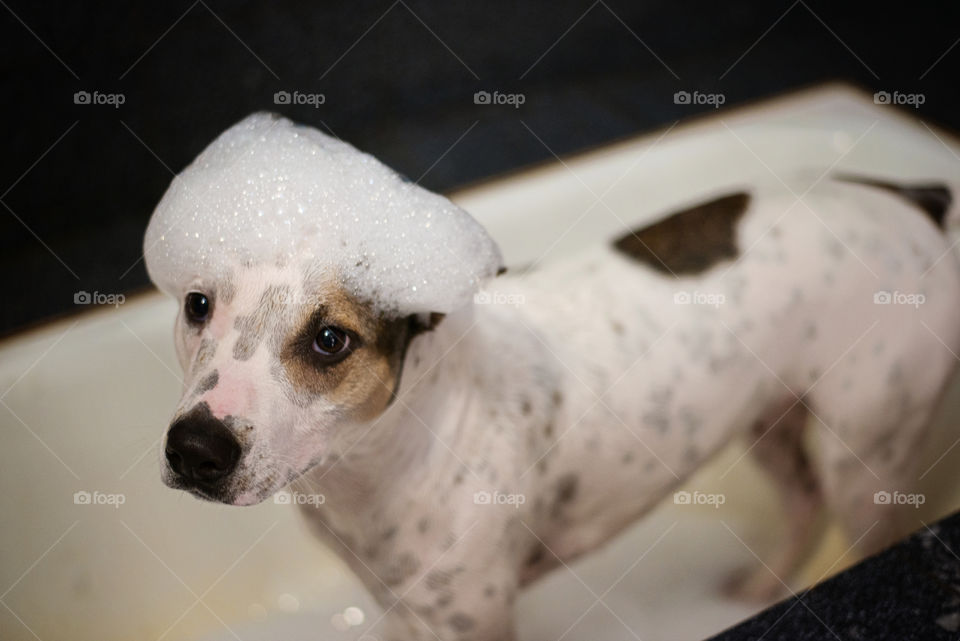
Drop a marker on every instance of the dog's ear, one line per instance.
(447, 273)
(419, 323)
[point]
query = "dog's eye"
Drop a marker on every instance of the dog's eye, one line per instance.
(197, 307)
(331, 341)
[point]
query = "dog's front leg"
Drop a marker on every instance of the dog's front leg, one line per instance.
(464, 602)
(402, 623)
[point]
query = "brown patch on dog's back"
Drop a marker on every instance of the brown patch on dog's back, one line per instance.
(689, 241)
(932, 199)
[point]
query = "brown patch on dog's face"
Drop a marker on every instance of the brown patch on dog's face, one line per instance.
(361, 383)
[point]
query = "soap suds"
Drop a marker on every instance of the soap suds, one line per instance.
(268, 191)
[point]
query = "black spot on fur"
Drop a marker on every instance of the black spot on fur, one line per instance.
(933, 199)
(437, 579)
(208, 347)
(401, 569)
(226, 290)
(208, 383)
(567, 488)
(566, 491)
(254, 327)
(526, 407)
(461, 622)
(689, 241)
(536, 555)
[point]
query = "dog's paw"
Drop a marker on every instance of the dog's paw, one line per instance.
(754, 586)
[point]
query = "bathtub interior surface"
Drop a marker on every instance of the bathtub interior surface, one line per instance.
(84, 402)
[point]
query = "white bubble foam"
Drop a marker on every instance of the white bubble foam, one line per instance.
(268, 191)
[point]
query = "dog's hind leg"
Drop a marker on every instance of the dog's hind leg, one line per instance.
(871, 486)
(778, 447)
(872, 430)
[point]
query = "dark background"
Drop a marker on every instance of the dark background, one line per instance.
(78, 182)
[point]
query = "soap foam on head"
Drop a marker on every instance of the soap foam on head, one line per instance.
(268, 191)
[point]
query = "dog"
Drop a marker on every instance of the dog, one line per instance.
(467, 430)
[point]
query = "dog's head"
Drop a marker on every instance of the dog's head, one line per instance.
(303, 268)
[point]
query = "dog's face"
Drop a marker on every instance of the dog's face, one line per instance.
(281, 368)
(302, 268)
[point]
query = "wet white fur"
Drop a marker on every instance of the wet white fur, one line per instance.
(588, 369)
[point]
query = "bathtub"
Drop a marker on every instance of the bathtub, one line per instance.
(95, 548)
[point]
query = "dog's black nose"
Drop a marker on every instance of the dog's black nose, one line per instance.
(200, 448)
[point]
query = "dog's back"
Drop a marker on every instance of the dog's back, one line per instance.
(838, 308)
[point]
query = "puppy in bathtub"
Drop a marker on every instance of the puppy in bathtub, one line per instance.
(469, 430)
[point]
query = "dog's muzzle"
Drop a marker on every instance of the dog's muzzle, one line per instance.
(201, 450)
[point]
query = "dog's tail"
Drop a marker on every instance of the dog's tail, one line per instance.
(952, 219)
(939, 200)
